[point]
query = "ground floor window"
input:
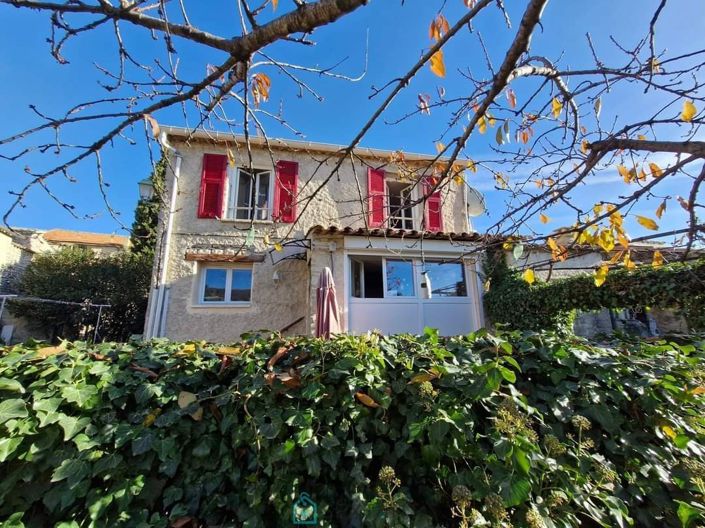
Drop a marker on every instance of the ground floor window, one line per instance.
(225, 285)
(379, 277)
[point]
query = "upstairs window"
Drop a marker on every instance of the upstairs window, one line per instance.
(249, 194)
(399, 200)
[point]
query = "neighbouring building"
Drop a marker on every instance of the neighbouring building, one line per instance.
(247, 231)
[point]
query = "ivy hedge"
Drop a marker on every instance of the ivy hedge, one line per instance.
(679, 286)
(512, 429)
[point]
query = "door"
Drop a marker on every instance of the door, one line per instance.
(392, 295)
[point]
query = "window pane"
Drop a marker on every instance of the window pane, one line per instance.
(262, 198)
(400, 215)
(447, 279)
(400, 279)
(241, 286)
(214, 289)
(244, 195)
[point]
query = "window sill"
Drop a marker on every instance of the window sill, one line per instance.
(221, 305)
(240, 221)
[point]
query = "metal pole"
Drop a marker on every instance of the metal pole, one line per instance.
(97, 323)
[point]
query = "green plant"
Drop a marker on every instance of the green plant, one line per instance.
(532, 429)
(143, 235)
(77, 275)
(553, 304)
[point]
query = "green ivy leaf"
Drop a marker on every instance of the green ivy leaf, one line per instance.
(11, 385)
(14, 408)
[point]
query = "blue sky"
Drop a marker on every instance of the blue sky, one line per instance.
(397, 36)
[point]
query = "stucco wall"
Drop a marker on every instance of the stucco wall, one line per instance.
(273, 306)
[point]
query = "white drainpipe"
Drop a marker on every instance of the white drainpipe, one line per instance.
(156, 315)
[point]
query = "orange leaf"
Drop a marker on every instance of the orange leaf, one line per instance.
(544, 219)
(656, 171)
(661, 209)
(512, 98)
(260, 87)
(365, 400)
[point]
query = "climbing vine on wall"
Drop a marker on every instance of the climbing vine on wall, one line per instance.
(679, 286)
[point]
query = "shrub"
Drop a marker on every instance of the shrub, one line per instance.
(521, 428)
(76, 274)
(678, 286)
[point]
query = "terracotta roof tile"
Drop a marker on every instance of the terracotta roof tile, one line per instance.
(403, 233)
(63, 236)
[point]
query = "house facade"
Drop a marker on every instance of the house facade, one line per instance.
(248, 228)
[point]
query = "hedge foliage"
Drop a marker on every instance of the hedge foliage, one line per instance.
(679, 286)
(77, 274)
(512, 429)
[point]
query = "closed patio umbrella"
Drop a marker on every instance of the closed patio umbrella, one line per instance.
(327, 318)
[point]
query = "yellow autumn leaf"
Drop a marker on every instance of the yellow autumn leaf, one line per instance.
(189, 348)
(597, 209)
(656, 171)
(628, 262)
(458, 179)
(472, 167)
(491, 120)
(624, 173)
(661, 209)
(544, 219)
(606, 240)
(623, 240)
(229, 351)
(668, 431)
(437, 64)
(698, 390)
(641, 137)
(231, 158)
(601, 275)
(424, 376)
(482, 125)
(556, 107)
(657, 261)
(689, 111)
(265, 239)
(584, 145)
(366, 400)
(275, 3)
(648, 223)
(278, 247)
(529, 276)
(440, 147)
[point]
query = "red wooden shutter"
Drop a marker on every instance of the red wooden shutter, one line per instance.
(286, 184)
(375, 197)
(210, 199)
(433, 216)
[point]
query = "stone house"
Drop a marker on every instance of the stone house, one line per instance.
(246, 232)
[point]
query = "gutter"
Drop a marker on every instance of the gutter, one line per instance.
(157, 317)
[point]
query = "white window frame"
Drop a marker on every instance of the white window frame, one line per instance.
(233, 188)
(414, 195)
(416, 266)
(228, 284)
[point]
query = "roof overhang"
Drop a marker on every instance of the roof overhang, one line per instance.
(187, 135)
